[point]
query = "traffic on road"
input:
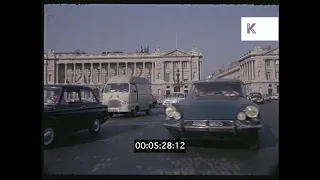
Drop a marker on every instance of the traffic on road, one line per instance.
(214, 130)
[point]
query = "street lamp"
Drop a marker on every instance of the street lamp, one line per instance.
(178, 84)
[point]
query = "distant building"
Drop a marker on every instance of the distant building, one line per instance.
(95, 69)
(258, 69)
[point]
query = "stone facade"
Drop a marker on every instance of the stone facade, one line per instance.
(258, 69)
(95, 69)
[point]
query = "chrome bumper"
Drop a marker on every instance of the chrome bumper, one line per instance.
(209, 129)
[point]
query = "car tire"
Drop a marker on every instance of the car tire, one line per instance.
(254, 141)
(49, 137)
(110, 114)
(148, 112)
(133, 113)
(95, 127)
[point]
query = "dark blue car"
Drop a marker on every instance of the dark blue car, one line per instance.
(215, 109)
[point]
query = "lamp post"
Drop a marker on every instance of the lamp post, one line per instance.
(178, 84)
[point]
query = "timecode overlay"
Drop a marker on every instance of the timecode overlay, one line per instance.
(160, 146)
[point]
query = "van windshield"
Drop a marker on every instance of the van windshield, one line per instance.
(114, 87)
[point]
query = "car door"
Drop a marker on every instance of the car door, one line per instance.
(134, 98)
(90, 107)
(69, 109)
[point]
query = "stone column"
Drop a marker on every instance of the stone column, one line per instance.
(109, 73)
(244, 72)
(91, 74)
(134, 69)
(74, 73)
(172, 71)
(82, 75)
(126, 68)
(240, 69)
(117, 73)
(254, 70)
(248, 75)
(162, 70)
(154, 71)
(143, 69)
(100, 73)
(57, 74)
(65, 72)
(181, 71)
(249, 64)
(200, 68)
(190, 70)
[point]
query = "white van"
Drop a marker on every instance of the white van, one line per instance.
(127, 95)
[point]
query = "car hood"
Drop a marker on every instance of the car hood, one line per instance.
(171, 99)
(220, 108)
(48, 108)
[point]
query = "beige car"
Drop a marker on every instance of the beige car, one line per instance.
(174, 98)
(128, 95)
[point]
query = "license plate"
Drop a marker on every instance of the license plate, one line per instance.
(113, 110)
(215, 123)
(199, 123)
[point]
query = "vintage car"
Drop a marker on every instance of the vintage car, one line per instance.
(154, 101)
(175, 97)
(71, 108)
(267, 97)
(256, 97)
(274, 97)
(215, 109)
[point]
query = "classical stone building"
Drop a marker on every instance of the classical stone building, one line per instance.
(258, 69)
(95, 69)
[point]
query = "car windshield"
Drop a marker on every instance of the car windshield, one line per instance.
(256, 95)
(177, 95)
(51, 95)
(113, 87)
(217, 89)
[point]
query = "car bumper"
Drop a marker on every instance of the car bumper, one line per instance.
(194, 132)
(257, 101)
(119, 110)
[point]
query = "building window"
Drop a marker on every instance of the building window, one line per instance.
(167, 77)
(49, 78)
(158, 75)
(175, 65)
(167, 92)
(259, 73)
(185, 78)
(185, 64)
(186, 91)
(194, 75)
(166, 65)
(268, 62)
(268, 76)
(277, 75)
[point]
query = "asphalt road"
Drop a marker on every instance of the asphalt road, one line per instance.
(112, 152)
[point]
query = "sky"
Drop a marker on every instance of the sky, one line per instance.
(213, 29)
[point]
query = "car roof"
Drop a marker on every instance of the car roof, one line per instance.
(218, 80)
(67, 86)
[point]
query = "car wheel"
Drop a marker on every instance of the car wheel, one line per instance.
(48, 137)
(110, 114)
(148, 112)
(254, 141)
(95, 127)
(133, 113)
